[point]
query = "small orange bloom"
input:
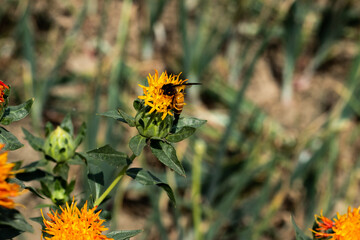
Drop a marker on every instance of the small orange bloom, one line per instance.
(154, 94)
(344, 227)
(75, 224)
(7, 189)
(3, 86)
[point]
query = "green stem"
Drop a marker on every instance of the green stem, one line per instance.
(113, 184)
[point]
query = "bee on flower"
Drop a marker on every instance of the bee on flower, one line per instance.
(165, 93)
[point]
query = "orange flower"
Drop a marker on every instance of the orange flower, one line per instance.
(344, 227)
(7, 189)
(73, 224)
(3, 86)
(154, 94)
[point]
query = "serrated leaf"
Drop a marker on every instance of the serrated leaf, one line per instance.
(35, 142)
(147, 178)
(107, 154)
(189, 122)
(80, 137)
(166, 154)
(10, 141)
(299, 234)
(67, 124)
(14, 219)
(137, 144)
(113, 114)
(129, 119)
(123, 235)
(16, 113)
(182, 134)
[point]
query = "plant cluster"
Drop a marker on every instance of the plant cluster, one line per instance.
(68, 219)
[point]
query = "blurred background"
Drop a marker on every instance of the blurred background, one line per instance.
(280, 92)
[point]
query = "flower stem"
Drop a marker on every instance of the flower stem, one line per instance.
(113, 184)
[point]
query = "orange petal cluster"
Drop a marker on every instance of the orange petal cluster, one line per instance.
(3, 86)
(75, 224)
(344, 227)
(7, 190)
(154, 95)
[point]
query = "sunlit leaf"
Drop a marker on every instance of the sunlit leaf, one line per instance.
(182, 134)
(10, 141)
(166, 154)
(137, 144)
(107, 154)
(16, 113)
(129, 119)
(147, 178)
(35, 142)
(113, 114)
(123, 235)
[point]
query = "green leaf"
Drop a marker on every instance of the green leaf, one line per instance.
(39, 220)
(166, 154)
(77, 159)
(35, 142)
(62, 170)
(147, 178)
(95, 174)
(137, 144)
(113, 114)
(34, 191)
(137, 104)
(80, 137)
(32, 175)
(129, 119)
(67, 125)
(10, 141)
(189, 122)
(299, 234)
(14, 219)
(16, 113)
(123, 235)
(178, 136)
(107, 154)
(48, 128)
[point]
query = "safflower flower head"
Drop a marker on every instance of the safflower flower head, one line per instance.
(154, 94)
(7, 190)
(3, 86)
(343, 227)
(74, 224)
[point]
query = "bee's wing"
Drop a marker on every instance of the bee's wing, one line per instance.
(187, 85)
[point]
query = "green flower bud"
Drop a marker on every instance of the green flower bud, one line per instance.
(59, 196)
(59, 145)
(151, 125)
